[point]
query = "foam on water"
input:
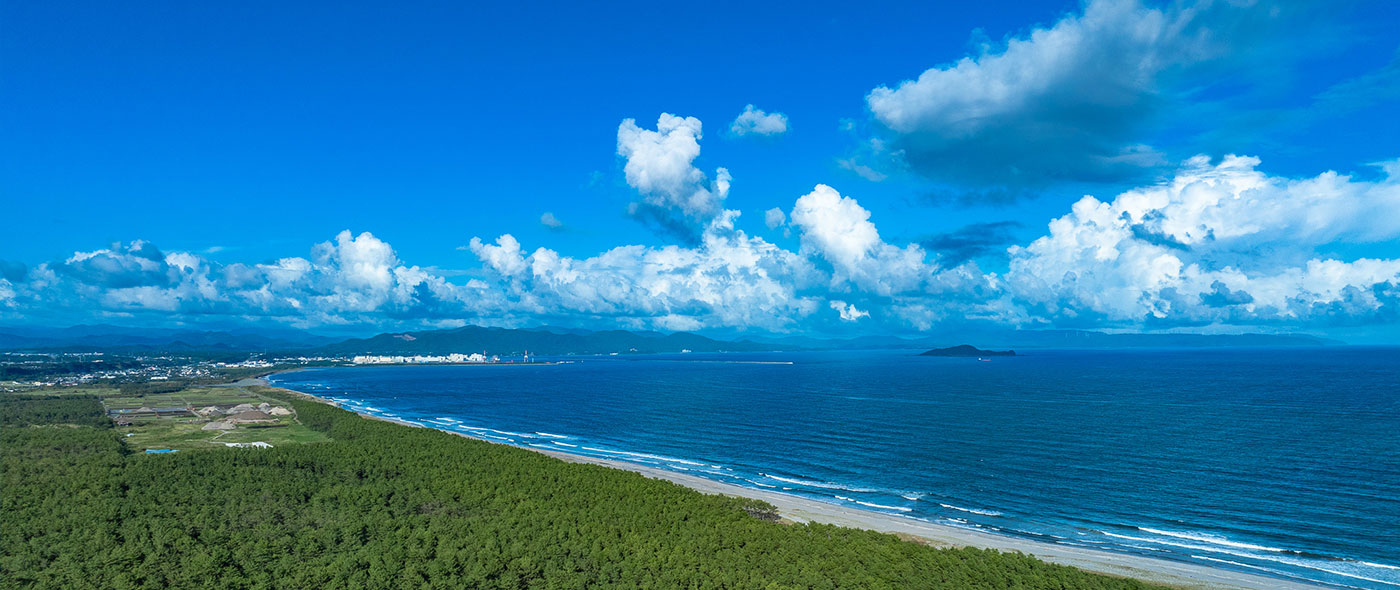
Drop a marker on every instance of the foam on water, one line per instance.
(1212, 539)
(1270, 554)
(819, 484)
(872, 504)
(724, 474)
(971, 510)
(1250, 566)
(883, 507)
(491, 436)
(645, 456)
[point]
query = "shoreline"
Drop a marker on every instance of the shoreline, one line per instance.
(353, 365)
(801, 509)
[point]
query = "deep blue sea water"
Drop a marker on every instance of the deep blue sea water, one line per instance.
(1278, 462)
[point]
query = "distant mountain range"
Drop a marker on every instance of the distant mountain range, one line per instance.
(1051, 339)
(124, 339)
(536, 341)
(551, 340)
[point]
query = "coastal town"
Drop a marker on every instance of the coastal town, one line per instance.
(425, 359)
(20, 371)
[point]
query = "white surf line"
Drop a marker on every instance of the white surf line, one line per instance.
(971, 510)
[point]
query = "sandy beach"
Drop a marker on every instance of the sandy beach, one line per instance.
(801, 509)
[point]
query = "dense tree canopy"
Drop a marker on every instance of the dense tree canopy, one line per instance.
(387, 506)
(24, 410)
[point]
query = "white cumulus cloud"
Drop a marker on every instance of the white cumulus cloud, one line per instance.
(661, 166)
(347, 279)
(1217, 243)
(756, 122)
(839, 230)
(729, 279)
(848, 311)
(774, 218)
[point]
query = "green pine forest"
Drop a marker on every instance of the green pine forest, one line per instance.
(387, 506)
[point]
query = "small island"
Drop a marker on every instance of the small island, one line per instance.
(965, 350)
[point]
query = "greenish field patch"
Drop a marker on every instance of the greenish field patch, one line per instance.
(97, 390)
(195, 397)
(187, 435)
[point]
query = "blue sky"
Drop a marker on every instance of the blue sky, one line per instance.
(196, 164)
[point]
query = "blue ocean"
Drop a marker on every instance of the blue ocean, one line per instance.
(1282, 462)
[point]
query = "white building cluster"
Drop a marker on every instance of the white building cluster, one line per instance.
(248, 364)
(474, 357)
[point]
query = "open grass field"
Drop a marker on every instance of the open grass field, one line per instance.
(194, 397)
(185, 432)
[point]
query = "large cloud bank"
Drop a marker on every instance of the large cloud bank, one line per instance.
(349, 279)
(1066, 102)
(1218, 243)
